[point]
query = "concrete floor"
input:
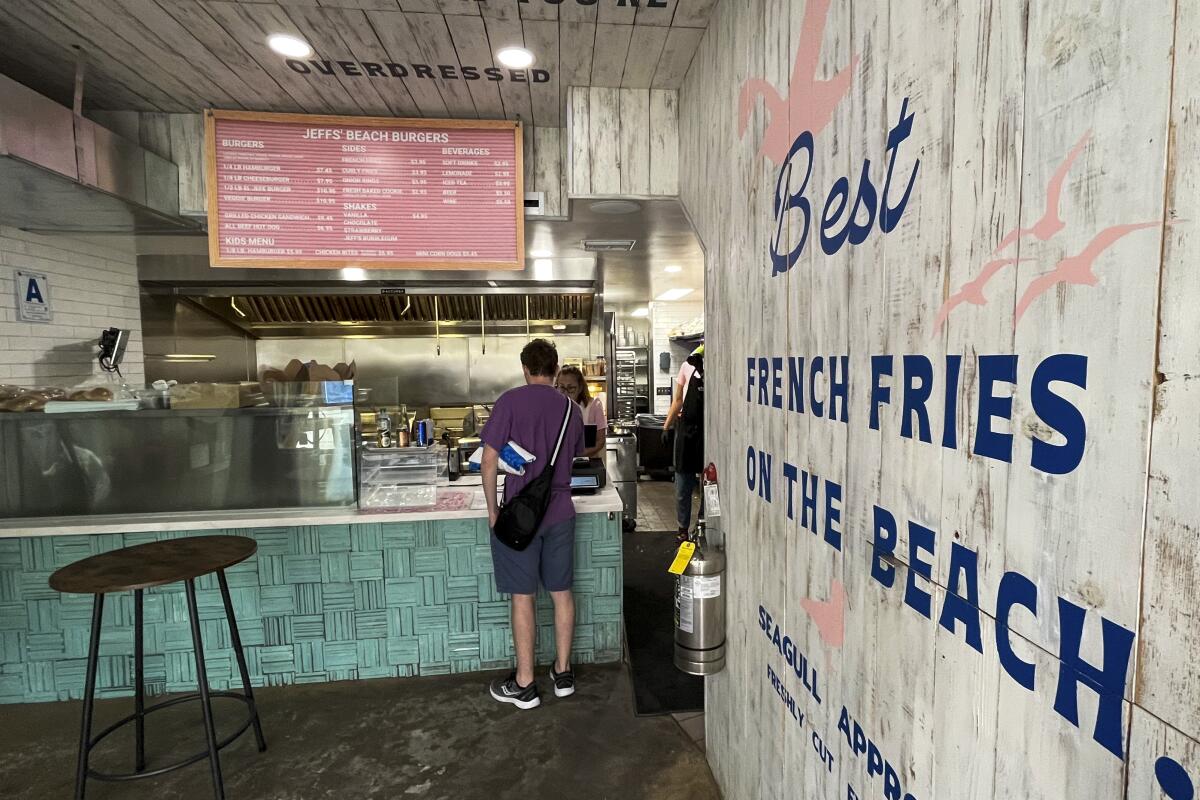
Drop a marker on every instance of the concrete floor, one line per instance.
(656, 506)
(418, 737)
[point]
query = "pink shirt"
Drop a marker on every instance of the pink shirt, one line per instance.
(593, 414)
(684, 378)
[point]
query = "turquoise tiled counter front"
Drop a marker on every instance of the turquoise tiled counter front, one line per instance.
(316, 603)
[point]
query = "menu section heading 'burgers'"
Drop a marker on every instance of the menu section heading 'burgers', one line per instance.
(322, 192)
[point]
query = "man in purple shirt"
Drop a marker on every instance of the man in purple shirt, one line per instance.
(531, 416)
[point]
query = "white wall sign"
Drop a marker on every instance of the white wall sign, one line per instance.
(33, 297)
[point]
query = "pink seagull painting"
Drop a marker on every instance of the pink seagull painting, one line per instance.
(810, 104)
(972, 291)
(1077, 270)
(829, 615)
(1050, 223)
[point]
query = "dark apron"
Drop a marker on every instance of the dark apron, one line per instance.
(689, 432)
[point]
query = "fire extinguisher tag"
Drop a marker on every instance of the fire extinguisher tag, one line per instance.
(712, 500)
(682, 557)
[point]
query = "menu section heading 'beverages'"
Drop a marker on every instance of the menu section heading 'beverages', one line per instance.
(322, 192)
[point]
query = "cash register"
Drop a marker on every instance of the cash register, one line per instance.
(587, 474)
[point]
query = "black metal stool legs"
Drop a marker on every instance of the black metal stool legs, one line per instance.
(139, 683)
(210, 730)
(89, 692)
(241, 660)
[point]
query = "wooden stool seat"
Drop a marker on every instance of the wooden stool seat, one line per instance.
(135, 569)
(152, 564)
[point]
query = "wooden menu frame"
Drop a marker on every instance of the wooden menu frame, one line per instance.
(316, 120)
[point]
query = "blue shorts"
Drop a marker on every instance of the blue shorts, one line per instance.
(550, 557)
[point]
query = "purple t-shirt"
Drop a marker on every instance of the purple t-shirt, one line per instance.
(531, 416)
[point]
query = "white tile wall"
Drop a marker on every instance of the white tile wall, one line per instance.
(663, 318)
(93, 285)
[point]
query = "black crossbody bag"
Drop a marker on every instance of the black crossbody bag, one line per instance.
(519, 518)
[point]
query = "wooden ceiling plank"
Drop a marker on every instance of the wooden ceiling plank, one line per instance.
(360, 95)
(100, 64)
(196, 20)
(541, 37)
(401, 45)
(468, 8)
(660, 13)
(577, 40)
(361, 5)
(363, 43)
(420, 6)
(692, 13)
(116, 32)
(676, 57)
(471, 42)
(45, 66)
(608, 58)
(572, 11)
(435, 47)
(176, 42)
(539, 10)
(504, 33)
(617, 12)
(249, 26)
(501, 9)
(645, 47)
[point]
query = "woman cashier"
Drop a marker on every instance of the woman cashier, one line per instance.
(572, 384)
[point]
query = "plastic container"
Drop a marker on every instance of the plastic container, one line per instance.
(397, 498)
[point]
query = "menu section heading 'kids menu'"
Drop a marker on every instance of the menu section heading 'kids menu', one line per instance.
(325, 192)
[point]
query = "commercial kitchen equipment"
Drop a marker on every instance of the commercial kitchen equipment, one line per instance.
(621, 454)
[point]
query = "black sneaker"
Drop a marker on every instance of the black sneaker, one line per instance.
(564, 682)
(507, 690)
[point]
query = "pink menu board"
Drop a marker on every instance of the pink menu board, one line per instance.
(323, 192)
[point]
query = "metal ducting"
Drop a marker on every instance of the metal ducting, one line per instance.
(304, 309)
(62, 173)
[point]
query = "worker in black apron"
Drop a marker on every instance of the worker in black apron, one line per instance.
(688, 418)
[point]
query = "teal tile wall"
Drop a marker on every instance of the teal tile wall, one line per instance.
(320, 603)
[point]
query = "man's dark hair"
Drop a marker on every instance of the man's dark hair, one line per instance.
(540, 358)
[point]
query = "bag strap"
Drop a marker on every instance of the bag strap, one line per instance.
(562, 432)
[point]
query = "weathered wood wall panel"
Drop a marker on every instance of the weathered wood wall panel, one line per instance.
(623, 142)
(963, 204)
(180, 138)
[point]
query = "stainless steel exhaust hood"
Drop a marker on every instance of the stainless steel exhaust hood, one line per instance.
(62, 173)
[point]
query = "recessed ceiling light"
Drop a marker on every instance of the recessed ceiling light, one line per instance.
(640, 312)
(354, 274)
(540, 254)
(515, 57)
(673, 294)
(673, 268)
(543, 269)
(559, 327)
(290, 46)
(615, 206)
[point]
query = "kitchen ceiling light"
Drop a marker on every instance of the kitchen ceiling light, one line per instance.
(673, 294)
(615, 206)
(354, 274)
(543, 269)
(290, 46)
(640, 312)
(186, 357)
(673, 268)
(515, 57)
